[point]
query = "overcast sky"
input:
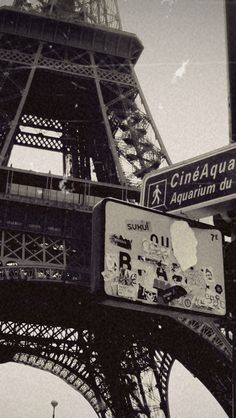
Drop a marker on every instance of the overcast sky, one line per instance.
(183, 74)
(183, 70)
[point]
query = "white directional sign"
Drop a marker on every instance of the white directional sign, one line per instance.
(200, 187)
(156, 259)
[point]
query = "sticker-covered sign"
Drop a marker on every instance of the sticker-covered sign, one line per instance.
(162, 260)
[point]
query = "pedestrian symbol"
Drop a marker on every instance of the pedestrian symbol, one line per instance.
(157, 194)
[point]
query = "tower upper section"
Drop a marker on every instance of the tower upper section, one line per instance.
(67, 84)
(97, 12)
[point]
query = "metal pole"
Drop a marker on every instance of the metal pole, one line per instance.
(234, 370)
(54, 404)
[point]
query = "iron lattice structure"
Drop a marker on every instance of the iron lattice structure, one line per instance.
(124, 370)
(67, 84)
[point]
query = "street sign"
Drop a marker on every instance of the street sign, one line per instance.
(154, 259)
(199, 187)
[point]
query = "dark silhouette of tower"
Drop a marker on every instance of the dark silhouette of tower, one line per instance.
(67, 85)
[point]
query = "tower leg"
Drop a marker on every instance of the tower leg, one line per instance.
(8, 144)
(234, 371)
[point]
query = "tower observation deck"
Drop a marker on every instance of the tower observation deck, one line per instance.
(68, 85)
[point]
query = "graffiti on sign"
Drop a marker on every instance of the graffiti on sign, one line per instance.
(161, 260)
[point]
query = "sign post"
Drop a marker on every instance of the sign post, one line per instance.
(149, 258)
(234, 370)
(199, 187)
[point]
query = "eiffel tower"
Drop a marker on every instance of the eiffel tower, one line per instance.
(67, 85)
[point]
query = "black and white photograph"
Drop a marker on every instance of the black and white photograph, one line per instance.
(117, 208)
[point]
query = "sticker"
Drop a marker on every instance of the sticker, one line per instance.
(120, 241)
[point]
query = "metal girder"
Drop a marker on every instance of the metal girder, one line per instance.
(134, 146)
(210, 332)
(57, 350)
(112, 146)
(81, 35)
(72, 354)
(137, 382)
(8, 143)
(39, 141)
(66, 67)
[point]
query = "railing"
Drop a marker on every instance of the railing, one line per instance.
(59, 191)
(85, 200)
(58, 197)
(46, 274)
(98, 12)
